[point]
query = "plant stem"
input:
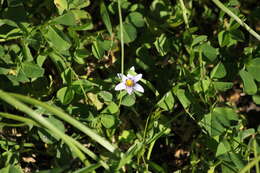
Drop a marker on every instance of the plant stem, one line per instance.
(27, 121)
(231, 14)
(44, 122)
(121, 36)
(62, 115)
(250, 164)
(184, 13)
(256, 154)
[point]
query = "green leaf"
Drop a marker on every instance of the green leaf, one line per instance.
(32, 70)
(129, 33)
(248, 82)
(21, 77)
(182, 96)
(67, 19)
(136, 19)
(108, 121)
(79, 84)
(26, 52)
(256, 99)
(57, 123)
(223, 148)
(57, 39)
(127, 136)
(97, 49)
(65, 95)
(219, 71)
(237, 159)
(209, 51)
(80, 55)
(112, 108)
(105, 17)
(167, 101)
(222, 86)
(205, 83)
(156, 167)
(11, 169)
(128, 100)
(162, 44)
(219, 120)
(90, 168)
(84, 27)
(67, 76)
(107, 96)
(59, 61)
(83, 19)
(225, 115)
(6, 70)
(61, 5)
(246, 133)
(198, 39)
(223, 38)
(253, 67)
(237, 35)
(79, 4)
(40, 60)
(213, 128)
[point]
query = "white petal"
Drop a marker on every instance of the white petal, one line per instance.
(132, 68)
(139, 88)
(137, 77)
(129, 90)
(122, 77)
(120, 86)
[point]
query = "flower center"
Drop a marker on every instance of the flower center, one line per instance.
(129, 83)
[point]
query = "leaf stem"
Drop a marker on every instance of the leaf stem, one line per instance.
(231, 14)
(121, 36)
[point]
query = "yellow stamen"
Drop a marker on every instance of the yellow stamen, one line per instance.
(129, 83)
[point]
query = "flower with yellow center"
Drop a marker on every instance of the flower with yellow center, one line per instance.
(129, 83)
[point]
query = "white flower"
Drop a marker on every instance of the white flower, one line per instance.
(129, 83)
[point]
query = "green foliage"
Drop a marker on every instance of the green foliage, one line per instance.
(60, 62)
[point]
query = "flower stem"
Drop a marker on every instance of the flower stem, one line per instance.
(121, 36)
(231, 14)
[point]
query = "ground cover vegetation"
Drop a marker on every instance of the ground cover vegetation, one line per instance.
(129, 86)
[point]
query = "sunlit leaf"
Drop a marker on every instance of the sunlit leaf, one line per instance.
(253, 67)
(129, 33)
(105, 17)
(167, 101)
(248, 82)
(61, 5)
(65, 95)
